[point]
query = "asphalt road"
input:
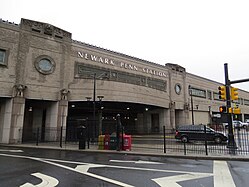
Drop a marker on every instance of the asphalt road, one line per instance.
(28, 167)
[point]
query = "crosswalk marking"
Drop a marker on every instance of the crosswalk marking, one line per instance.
(172, 180)
(222, 175)
(221, 172)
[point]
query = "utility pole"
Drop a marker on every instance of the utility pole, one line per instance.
(94, 105)
(231, 142)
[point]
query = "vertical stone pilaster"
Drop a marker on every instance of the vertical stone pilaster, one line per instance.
(164, 119)
(51, 124)
(139, 123)
(5, 121)
(17, 118)
(62, 117)
(147, 122)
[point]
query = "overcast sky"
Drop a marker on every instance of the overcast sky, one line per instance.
(200, 35)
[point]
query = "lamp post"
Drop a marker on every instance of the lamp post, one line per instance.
(94, 107)
(100, 97)
(94, 99)
(192, 104)
(210, 115)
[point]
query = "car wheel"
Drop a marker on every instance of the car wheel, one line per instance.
(184, 139)
(218, 140)
(244, 126)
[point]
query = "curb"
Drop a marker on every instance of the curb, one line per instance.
(193, 157)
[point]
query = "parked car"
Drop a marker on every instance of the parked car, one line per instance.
(185, 133)
(237, 124)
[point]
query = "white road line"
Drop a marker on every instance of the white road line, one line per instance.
(47, 181)
(71, 169)
(85, 168)
(129, 168)
(222, 175)
(12, 151)
(172, 180)
(89, 174)
(136, 162)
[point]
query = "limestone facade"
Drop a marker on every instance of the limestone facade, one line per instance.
(44, 71)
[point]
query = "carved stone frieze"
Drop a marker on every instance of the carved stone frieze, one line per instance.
(49, 29)
(45, 28)
(19, 90)
(64, 94)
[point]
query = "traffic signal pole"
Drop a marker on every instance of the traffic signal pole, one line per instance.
(229, 97)
(231, 143)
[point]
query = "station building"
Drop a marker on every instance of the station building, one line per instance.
(49, 81)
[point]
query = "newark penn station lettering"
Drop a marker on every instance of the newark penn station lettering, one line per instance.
(108, 61)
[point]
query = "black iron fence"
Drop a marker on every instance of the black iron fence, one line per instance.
(163, 142)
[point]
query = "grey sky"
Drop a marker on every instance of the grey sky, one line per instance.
(196, 34)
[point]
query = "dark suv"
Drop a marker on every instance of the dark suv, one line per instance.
(196, 132)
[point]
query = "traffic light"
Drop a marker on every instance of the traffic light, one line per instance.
(237, 110)
(222, 92)
(234, 93)
(222, 109)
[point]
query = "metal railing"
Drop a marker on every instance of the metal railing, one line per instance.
(162, 142)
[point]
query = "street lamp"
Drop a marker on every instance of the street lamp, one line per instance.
(192, 105)
(210, 115)
(102, 75)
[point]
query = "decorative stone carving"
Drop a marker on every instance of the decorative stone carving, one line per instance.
(48, 29)
(186, 106)
(64, 94)
(45, 28)
(19, 90)
(172, 105)
(58, 32)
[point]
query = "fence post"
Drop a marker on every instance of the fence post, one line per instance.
(205, 134)
(238, 134)
(122, 137)
(61, 137)
(184, 145)
(37, 136)
(164, 140)
(118, 125)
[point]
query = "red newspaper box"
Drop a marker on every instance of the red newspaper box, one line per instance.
(107, 142)
(126, 142)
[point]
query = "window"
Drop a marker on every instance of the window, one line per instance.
(2, 56)
(209, 95)
(197, 92)
(246, 102)
(216, 96)
(45, 64)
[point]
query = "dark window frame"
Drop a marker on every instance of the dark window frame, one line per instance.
(6, 56)
(192, 92)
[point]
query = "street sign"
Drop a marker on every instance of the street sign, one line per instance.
(217, 115)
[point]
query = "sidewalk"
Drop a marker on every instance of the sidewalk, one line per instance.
(135, 151)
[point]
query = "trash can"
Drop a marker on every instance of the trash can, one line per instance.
(113, 142)
(126, 142)
(107, 142)
(81, 135)
(101, 142)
